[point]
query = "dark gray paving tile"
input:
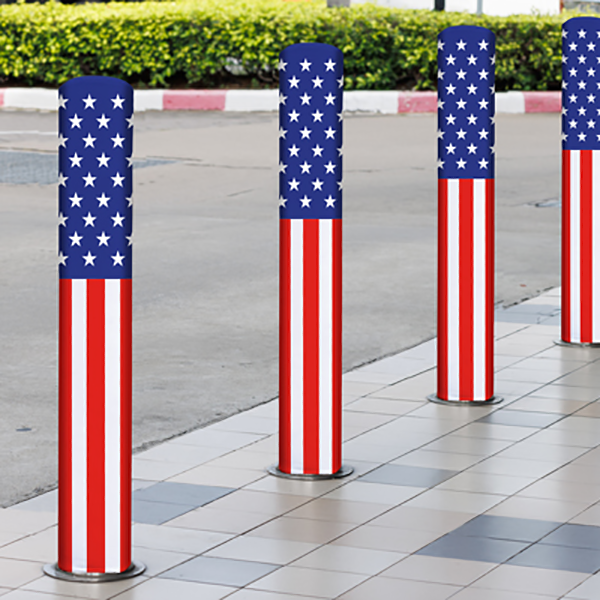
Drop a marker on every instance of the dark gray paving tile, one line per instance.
(557, 320)
(562, 558)
(521, 418)
(157, 513)
(532, 309)
(575, 536)
(181, 493)
(507, 528)
(407, 475)
(220, 571)
(473, 548)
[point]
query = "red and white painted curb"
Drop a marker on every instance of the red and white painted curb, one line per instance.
(267, 100)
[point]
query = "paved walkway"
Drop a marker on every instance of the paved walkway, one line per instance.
(497, 503)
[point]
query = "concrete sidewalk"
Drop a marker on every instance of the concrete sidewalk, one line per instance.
(496, 502)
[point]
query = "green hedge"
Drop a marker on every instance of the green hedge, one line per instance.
(200, 44)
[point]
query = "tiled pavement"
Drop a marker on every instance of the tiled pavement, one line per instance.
(472, 503)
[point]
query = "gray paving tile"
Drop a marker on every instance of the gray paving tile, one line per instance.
(561, 558)
(507, 528)
(220, 571)
(473, 548)
(181, 493)
(575, 536)
(423, 477)
(157, 513)
(521, 418)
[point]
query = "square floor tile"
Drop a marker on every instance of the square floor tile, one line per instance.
(176, 539)
(422, 477)
(156, 513)
(588, 590)
(262, 549)
(473, 548)
(220, 571)
(56, 588)
(563, 558)
(378, 493)
(404, 541)
(538, 508)
(302, 530)
(327, 509)
(387, 588)
(14, 573)
(507, 528)
(181, 493)
(575, 536)
(452, 500)
(159, 589)
(521, 418)
(217, 520)
(422, 519)
(486, 483)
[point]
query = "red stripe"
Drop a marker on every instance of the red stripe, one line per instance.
(442, 348)
(586, 252)
(337, 345)
(489, 287)
(285, 258)
(95, 425)
(126, 420)
(65, 509)
(566, 246)
(311, 345)
(465, 273)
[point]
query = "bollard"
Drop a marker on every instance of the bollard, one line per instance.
(310, 183)
(466, 74)
(95, 328)
(580, 183)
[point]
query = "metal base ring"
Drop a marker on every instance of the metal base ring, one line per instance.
(135, 569)
(343, 472)
(577, 344)
(438, 400)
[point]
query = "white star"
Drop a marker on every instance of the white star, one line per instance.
(483, 74)
(572, 46)
(582, 111)
(591, 124)
(329, 167)
(582, 59)
(103, 122)
(118, 220)
(62, 141)
(440, 163)
(461, 45)
(472, 119)
(591, 98)
(282, 132)
(62, 220)
(305, 65)
(450, 148)
(89, 180)
(451, 59)
(493, 59)
(282, 65)
(305, 201)
(483, 104)
(294, 150)
(294, 116)
(483, 45)
(572, 98)
(282, 99)
(441, 134)
(282, 167)
(103, 200)
(76, 160)
(340, 185)
(472, 59)
(129, 160)
(461, 104)
(461, 134)
(294, 183)
(117, 141)
(441, 44)
(329, 99)
(62, 259)
(330, 201)
(461, 74)
(451, 119)
(483, 164)
(572, 72)
(103, 160)
(582, 137)
(340, 82)
(317, 184)
(582, 85)
(75, 239)
(450, 89)
(305, 167)
(294, 81)
(581, 33)
(129, 201)
(317, 116)
(89, 140)
(317, 150)
(103, 239)
(317, 82)
(62, 101)
(118, 259)
(75, 121)
(564, 33)
(118, 180)
(305, 98)
(472, 149)
(441, 104)
(89, 259)
(440, 74)
(483, 134)
(329, 65)
(573, 124)
(305, 133)
(591, 72)
(329, 133)
(76, 200)
(89, 101)
(129, 122)
(461, 163)
(591, 46)
(282, 201)
(62, 180)
(89, 220)
(117, 101)
(472, 89)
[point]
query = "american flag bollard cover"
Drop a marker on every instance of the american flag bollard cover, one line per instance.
(95, 328)
(310, 183)
(466, 111)
(581, 181)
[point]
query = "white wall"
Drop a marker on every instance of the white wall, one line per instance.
(490, 7)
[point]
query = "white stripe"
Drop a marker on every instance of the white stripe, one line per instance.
(296, 346)
(575, 263)
(79, 424)
(325, 346)
(112, 424)
(453, 290)
(595, 246)
(479, 288)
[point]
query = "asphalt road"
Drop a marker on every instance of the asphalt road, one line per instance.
(206, 262)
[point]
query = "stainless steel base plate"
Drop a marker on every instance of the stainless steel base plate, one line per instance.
(343, 472)
(492, 400)
(576, 344)
(135, 569)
